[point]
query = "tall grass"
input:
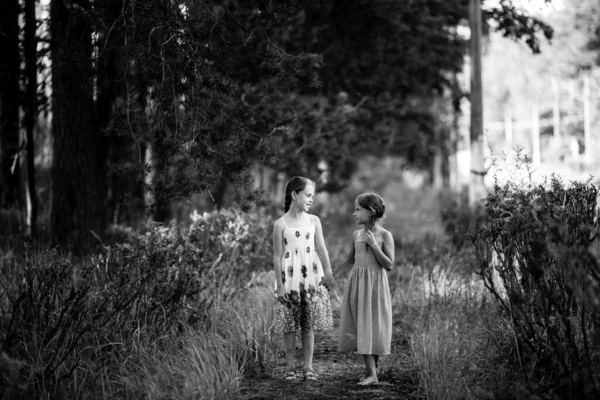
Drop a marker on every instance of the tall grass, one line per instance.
(456, 336)
(209, 363)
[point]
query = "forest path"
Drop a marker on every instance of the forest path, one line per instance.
(339, 372)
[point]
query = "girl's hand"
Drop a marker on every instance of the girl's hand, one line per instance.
(282, 296)
(370, 238)
(328, 282)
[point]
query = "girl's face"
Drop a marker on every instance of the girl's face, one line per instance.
(361, 215)
(305, 198)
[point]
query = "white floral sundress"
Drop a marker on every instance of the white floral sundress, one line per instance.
(309, 307)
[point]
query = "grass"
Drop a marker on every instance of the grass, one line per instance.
(454, 337)
(213, 362)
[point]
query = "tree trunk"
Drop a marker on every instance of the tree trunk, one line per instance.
(476, 187)
(220, 192)
(455, 136)
(9, 103)
(158, 204)
(75, 208)
(30, 114)
(113, 101)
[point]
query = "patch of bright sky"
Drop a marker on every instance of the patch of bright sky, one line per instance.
(532, 6)
(540, 7)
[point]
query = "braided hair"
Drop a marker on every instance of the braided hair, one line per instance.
(374, 203)
(295, 184)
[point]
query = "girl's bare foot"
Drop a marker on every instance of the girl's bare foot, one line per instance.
(366, 375)
(369, 380)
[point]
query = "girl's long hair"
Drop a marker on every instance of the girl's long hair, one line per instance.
(295, 184)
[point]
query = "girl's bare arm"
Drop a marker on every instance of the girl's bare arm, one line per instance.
(386, 253)
(278, 228)
(322, 251)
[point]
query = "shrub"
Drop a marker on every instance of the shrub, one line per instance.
(537, 240)
(56, 316)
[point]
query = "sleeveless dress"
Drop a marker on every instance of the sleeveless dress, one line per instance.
(309, 307)
(366, 312)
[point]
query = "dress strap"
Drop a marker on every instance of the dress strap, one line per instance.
(283, 219)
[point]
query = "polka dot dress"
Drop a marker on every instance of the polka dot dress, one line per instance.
(366, 313)
(309, 307)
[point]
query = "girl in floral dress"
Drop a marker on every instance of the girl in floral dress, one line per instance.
(366, 312)
(302, 275)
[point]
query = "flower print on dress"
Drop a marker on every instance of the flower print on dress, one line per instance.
(297, 233)
(294, 296)
(308, 249)
(287, 254)
(304, 271)
(290, 271)
(307, 235)
(315, 268)
(285, 241)
(307, 297)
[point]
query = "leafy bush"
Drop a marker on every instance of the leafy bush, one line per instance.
(458, 218)
(55, 315)
(537, 240)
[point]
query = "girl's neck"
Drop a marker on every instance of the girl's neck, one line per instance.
(296, 214)
(370, 226)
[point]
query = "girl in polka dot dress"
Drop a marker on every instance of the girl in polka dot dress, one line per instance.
(303, 275)
(366, 312)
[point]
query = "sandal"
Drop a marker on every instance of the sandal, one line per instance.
(290, 376)
(310, 376)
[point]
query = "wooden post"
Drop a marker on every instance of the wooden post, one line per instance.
(508, 128)
(438, 178)
(587, 121)
(556, 109)
(476, 185)
(535, 136)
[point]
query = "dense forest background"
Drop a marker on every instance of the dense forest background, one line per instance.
(115, 112)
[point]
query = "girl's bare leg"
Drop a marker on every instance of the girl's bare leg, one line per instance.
(289, 340)
(371, 370)
(308, 347)
(366, 374)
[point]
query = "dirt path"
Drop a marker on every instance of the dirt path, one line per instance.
(339, 374)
